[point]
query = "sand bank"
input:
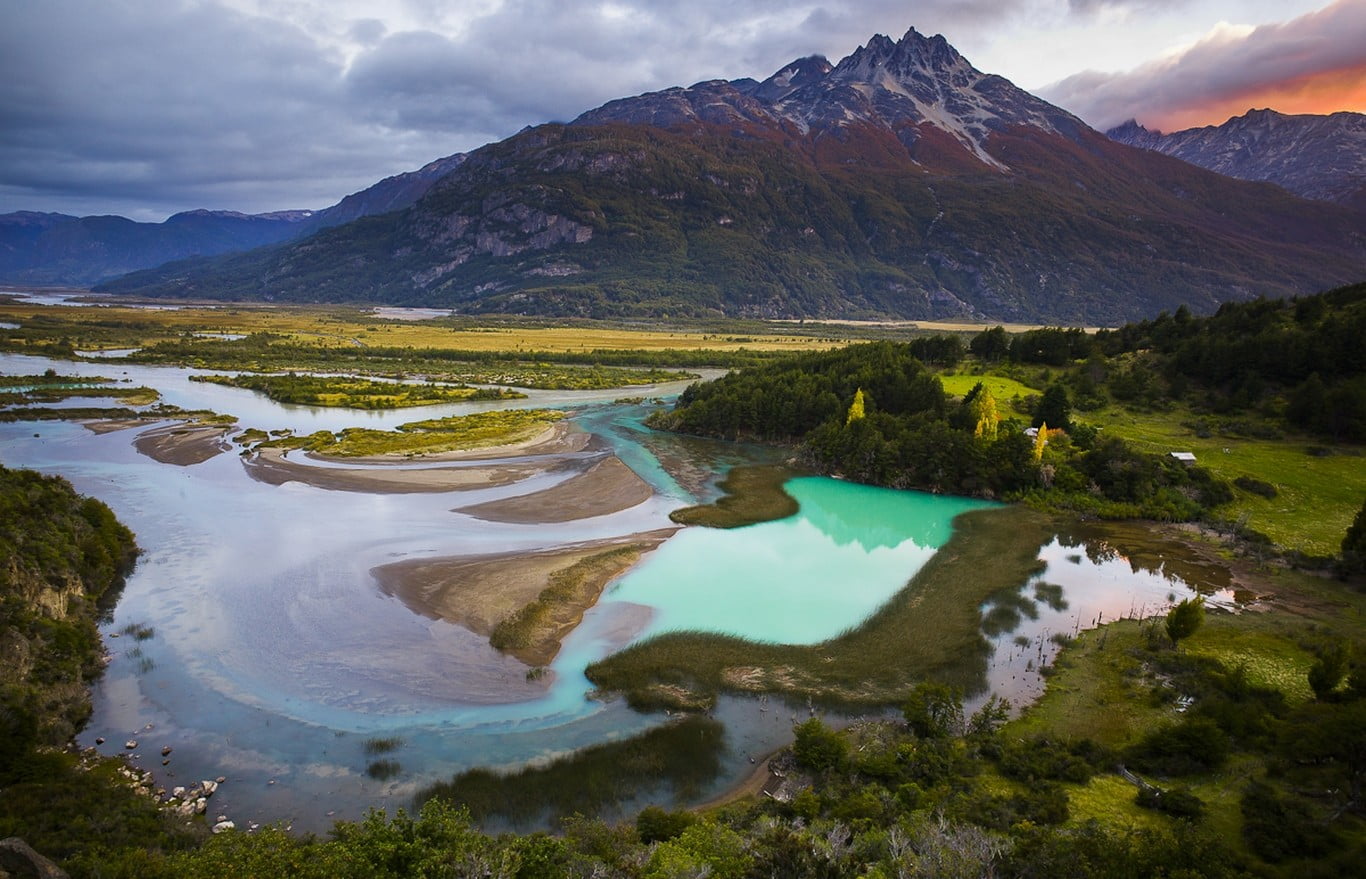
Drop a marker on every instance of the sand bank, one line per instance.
(183, 444)
(110, 425)
(480, 592)
(273, 467)
(609, 486)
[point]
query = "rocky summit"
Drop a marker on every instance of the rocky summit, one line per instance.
(901, 181)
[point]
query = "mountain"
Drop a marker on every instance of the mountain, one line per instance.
(390, 194)
(38, 249)
(899, 182)
(1320, 157)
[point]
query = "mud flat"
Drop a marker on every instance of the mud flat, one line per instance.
(180, 444)
(609, 486)
(480, 592)
(275, 467)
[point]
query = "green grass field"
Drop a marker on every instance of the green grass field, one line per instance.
(1318, 494)
(1002, 388)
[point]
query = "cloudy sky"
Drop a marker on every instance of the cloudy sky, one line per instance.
(147, 107)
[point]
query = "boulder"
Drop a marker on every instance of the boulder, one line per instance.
(221, 826)
(19, 861)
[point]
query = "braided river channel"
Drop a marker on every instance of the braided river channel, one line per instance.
(275, 655)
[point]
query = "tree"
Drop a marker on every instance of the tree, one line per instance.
(1040, 441)
(1354, 542)
(817, 746)
(1055, 408)
(990, 345)
(934, 711)
(1329, 670)
(1185, 618)
(984, 415)
(855, 408)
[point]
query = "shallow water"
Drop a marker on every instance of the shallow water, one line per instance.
(275, 655)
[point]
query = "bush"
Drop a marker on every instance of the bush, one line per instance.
(1178, 802)
(1194, 745)
(818, 747)
(1256, 486)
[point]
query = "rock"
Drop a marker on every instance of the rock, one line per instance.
(130, 744)
(209, 787)
(166, 751)
(177, 792)
(20, 861)
(221, 818)
(100, 740)
(221, 779)
(201, 806)
(221, 826)
(165, 762)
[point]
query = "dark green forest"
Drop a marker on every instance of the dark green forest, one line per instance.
(911, 435)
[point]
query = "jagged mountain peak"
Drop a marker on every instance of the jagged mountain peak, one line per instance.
(798, 74)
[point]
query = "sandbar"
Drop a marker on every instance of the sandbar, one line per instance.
(183, 444)
(478, 592)
(609, 486)
(273, 467)
(110, 425)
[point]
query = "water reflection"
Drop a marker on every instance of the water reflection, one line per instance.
(799, 580)
(1093, 574)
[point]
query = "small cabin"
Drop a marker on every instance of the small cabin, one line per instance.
(1187, 458)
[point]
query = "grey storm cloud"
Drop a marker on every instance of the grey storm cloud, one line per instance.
(145, 107)
(1221, 68)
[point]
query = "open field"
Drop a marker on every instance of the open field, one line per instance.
(1002, 388)
(1320, 489)
(121, 326)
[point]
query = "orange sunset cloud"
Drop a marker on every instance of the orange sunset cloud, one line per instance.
(1311, 64)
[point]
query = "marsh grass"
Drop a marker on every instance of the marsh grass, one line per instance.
(681, 757)
(382, 745)
(534, 632)
(383, 770)
(931, 629)
(752, 495)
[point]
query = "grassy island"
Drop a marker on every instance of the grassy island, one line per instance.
(349, 392)
(459, 433)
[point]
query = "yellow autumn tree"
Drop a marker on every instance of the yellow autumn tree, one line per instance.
(1040, 441)
(985, 415)
(855, 408)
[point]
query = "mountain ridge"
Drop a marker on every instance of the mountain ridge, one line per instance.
(900, 181)
(1322, 157)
